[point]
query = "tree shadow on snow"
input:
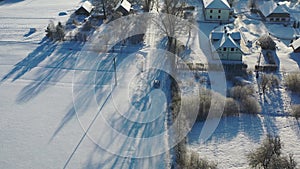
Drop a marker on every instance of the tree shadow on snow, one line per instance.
(55, 69)
(33, 59)
(4, 2)
(296, 58)
(94, 84)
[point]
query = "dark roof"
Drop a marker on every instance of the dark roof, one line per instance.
(269, 7)
(86, 7)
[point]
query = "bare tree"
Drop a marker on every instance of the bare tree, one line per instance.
(171, 22)
(252, 4)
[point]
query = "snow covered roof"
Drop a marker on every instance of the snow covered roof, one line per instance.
(296, 44)
(236, 35)
(225, 38)
(125, 4)
(216, 4)
(216, 35)
(269, 7)
(228, 42)
(87, 5)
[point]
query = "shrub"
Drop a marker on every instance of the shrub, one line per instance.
(231, 107)
(241, 92)
(204, 105)
(191, 160)
(292, 82)
(269, 156)
(296, 111)
(250, 105)
(195, 162)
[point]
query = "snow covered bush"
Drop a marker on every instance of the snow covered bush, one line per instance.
(266, 42)
(231, 107)
(241, 92)
(269, 156)
(250, 105)
(296, 111)
(191, 160)
(195, 162)
(292, 82)
(244, 96)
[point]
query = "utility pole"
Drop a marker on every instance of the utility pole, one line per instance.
(115, 69)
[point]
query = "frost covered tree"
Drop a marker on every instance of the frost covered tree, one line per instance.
(172, 24)
(60, 31)
(266, 42)
(50, 30)
(55, 32)
(269, 156)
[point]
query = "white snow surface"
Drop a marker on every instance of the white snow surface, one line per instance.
(49, 99)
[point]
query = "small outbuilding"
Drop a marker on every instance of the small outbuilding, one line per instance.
(85, 9)
(296, 45)
(123, 7)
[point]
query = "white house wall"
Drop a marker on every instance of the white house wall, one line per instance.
(235, 55)
(277, 19)
(217, 14)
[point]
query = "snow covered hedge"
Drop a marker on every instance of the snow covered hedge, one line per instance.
(292, 82)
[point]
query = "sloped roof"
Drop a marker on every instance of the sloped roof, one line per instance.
(296, 44)
(236, 35)
(87, 6)
(228, 42)
(216, 35)
(216, 4)
(269, 7)
(125, 4)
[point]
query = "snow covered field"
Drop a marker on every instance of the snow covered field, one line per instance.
(54, 99)
(51, 100)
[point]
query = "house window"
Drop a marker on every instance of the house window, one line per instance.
(224, 49)
(271, 19)
(210, 17)
(211, 11)
(219, 11)
(219, 17)
(232, 49)
(282, 19)
(277, 19)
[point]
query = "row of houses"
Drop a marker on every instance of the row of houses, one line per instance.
(87, 8)
(221, 11)
(226, 42)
